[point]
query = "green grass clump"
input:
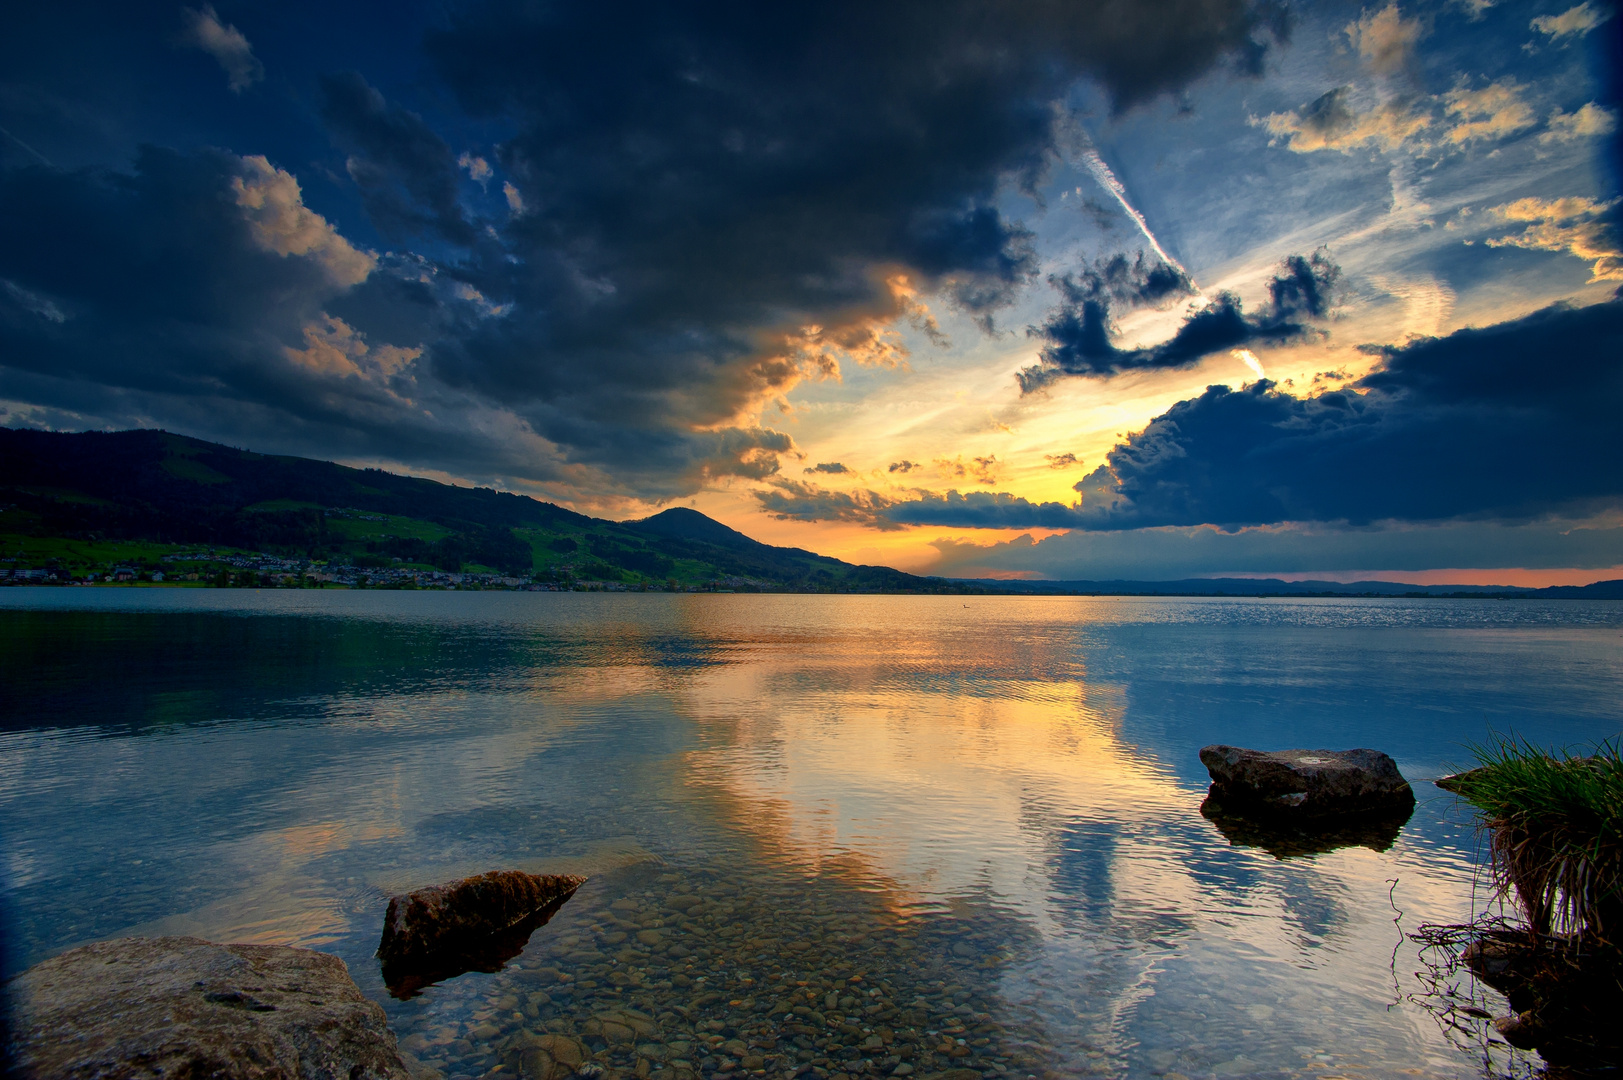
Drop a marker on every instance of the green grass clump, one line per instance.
(1556, 833)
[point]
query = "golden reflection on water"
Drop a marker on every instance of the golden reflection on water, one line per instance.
(829, 761)
(949, 760)
(938, 793)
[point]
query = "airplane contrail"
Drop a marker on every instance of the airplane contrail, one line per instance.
(45, 160)
(1107, 180)
(1249, 359)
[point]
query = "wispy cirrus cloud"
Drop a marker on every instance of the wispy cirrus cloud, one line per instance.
(224, 42)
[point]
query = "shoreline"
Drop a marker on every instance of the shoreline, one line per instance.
(950, 588)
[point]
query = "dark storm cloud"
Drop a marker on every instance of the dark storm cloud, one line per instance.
(1507, 423)
(218, 304)
(1129, 283)
(982, 510)
(700, 181)
(692, 188)
(192, 292)
(405, 171)
(791, 500)
(1080, 334)
(155, 274)
(827, 467)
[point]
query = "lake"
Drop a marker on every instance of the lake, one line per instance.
(836, 835)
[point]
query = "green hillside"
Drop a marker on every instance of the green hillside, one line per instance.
(154, 502)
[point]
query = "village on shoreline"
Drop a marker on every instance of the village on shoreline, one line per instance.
(258, 570)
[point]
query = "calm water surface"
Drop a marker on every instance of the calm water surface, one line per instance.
(835, 835)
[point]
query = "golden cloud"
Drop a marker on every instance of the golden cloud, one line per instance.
(280, 222)
(1573, 22)
(1493, 112)
(1329, 123)
(1590, 121)
(1573, 225)
(333, 347)
(1385, 39)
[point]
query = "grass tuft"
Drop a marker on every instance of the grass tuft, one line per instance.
(1556, 833)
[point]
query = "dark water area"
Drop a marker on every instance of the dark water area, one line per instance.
(858, 836)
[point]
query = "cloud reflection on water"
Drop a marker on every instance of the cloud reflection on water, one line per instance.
(919, 770)
(1023, 759)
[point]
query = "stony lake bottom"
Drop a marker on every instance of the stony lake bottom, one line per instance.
(828, 835)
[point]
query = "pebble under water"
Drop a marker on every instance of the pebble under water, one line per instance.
(708, 973)
(830, 837)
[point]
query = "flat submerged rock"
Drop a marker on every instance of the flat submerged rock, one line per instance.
(177, 1007)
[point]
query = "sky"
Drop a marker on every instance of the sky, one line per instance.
(1082, 290)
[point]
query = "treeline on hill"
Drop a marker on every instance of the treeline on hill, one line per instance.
(494, 547)
(151, 485)
(157, 487)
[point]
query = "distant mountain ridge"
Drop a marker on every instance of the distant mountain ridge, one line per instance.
(80, 490)
(1600, 590)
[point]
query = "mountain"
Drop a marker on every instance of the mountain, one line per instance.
(144, 499)
(86, 501)
(1599, 590)
(681, 523)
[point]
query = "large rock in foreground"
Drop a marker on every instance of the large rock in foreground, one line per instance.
(180, 1007)
(475, 924)
(1307, 783)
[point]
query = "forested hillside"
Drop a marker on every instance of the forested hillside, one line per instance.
(67, 496)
